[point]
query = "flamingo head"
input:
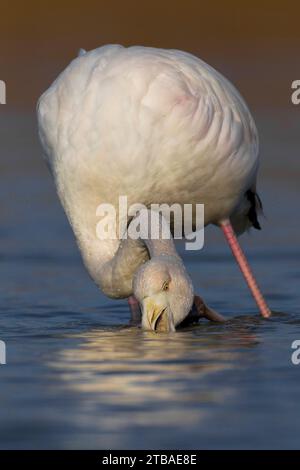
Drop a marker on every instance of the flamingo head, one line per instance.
(164, 291)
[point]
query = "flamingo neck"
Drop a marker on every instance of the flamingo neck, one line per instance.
(115, 275)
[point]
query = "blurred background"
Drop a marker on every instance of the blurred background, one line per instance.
(39, 40)
(75, 378)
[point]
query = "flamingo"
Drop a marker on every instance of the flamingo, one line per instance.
(160, 126)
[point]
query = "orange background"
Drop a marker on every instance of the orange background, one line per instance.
(255, 44)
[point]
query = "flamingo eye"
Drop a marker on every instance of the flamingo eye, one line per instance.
(165, 286)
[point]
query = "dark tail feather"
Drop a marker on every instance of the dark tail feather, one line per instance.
(255, 206)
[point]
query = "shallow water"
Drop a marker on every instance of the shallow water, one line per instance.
(77, 376)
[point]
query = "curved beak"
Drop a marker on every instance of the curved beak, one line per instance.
(157, 315)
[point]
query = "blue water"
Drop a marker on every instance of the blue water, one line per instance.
(77, 376)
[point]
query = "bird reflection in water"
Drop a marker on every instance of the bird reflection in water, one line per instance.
(151, 378)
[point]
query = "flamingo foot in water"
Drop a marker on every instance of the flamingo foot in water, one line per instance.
(201, 310)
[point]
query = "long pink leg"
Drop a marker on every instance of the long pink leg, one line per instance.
(135, 310)
(245, 268)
